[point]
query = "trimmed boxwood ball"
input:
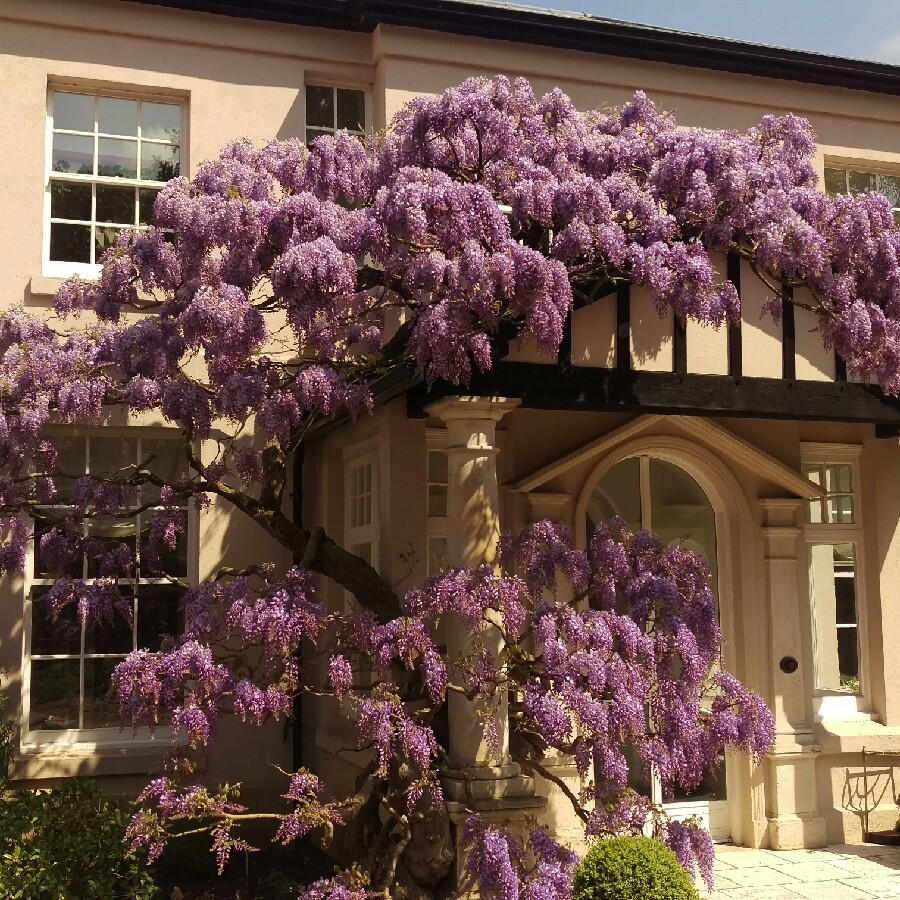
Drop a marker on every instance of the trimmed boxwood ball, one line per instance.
(631, 868)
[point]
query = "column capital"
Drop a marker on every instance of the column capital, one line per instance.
(780, 511)
(490, 409)
(548, 505)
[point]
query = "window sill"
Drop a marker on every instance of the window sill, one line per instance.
(67, 759)
(839, 707)
(854, 736)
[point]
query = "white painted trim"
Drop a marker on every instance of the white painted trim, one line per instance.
(739, 554)
(714, 815)
(830, 705)
(817, 451)
(839, 707)
(111, 738)
(60, 268)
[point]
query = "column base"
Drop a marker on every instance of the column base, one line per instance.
(477, 784)
(514, 814)
(790, 832)
(795, 822)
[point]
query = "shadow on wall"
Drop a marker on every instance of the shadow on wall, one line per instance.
(872, 790)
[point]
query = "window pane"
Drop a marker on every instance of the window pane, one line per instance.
(50, 519)
(104, 238)
(160, 162)
(889, 185)
(71, 456)
(837, 479)
(617, 494)
(812, 473)
(162, 560)
(861, 182)
(680, 512)
(53, 637)
(54, 694)
(146, 199)
(116, 116)
(168, 462)
(100, 707)
(848, 658)
(115, 204)
(319, 106)
(835, 181)
(117, 159)
(74, 112)
(70, 243)
(70, 201)
(351, 110)
(814, 512)
(109, 531)
(106, 533)
(312, 135)
(362, 550)
(437, 500)
(161, 121)
(159, 613)
(845, 598)
(73, 154)
(840, 510)
(832, 577)
(113, 636)
(437, 466)
(437, 555)
(110, 454)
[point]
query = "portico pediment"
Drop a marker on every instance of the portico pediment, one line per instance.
(702, 431)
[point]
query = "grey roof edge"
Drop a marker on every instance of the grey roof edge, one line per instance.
(571, 31)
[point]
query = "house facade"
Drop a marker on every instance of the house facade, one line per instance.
(748, 443)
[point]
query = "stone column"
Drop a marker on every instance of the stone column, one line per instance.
(793, 809)
(478, 777)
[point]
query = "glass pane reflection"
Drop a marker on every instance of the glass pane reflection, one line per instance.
(73, 112)
(55, 691)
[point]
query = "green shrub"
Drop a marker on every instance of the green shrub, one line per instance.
(631, 868)
(68, 844)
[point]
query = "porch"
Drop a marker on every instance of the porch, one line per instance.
(840, 871)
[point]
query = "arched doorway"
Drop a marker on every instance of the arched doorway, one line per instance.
(658, 495)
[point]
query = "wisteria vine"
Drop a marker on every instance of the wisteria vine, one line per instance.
(272, 289)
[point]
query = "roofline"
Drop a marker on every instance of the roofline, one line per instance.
(569, 31)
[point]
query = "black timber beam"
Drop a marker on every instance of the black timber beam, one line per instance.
(541, 386)
(569, 31)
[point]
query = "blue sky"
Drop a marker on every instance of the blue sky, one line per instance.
(858, 29)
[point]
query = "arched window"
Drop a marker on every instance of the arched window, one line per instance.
(652, 493)
(655, 494)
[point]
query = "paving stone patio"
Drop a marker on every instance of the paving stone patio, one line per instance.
(841, 872)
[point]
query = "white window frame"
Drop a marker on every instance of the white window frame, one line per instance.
(335, 86)
(831, 704)
(355, 458)
(435, 526)
(865, 167)
(86, 739)
(367, 532)
(63, 268)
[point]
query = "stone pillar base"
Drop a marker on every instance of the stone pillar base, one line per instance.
(478, 784)
(794, 819)
(511, 813)
(797, 832)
